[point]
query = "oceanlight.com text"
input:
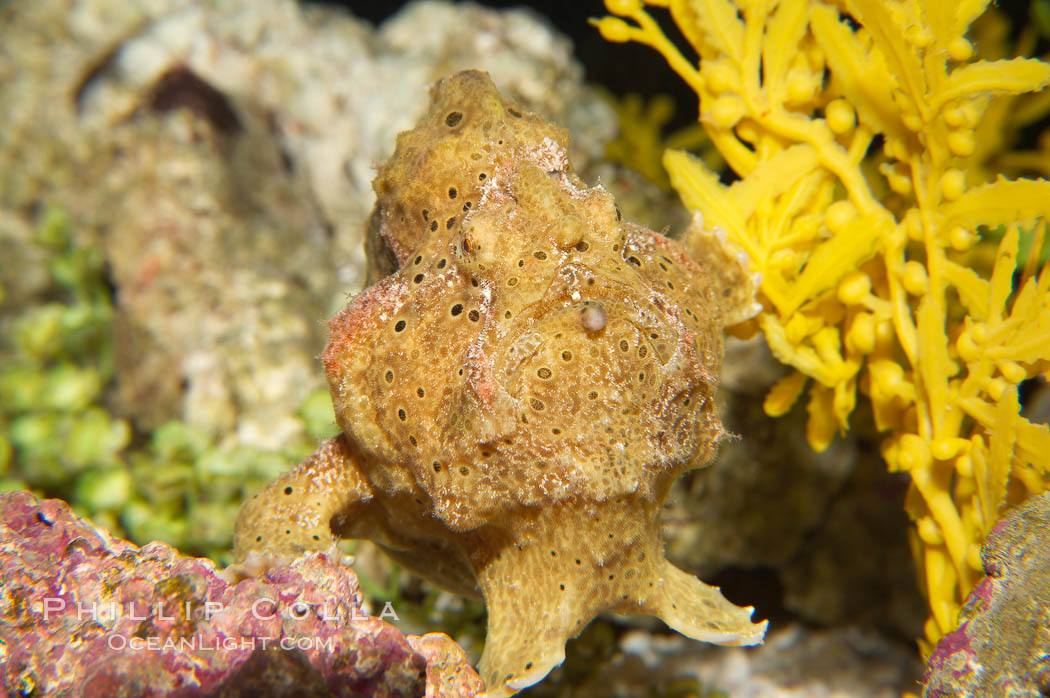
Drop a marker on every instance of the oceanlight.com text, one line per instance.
(196, 643)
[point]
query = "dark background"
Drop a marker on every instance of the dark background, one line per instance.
(621, 68)
(630, 67)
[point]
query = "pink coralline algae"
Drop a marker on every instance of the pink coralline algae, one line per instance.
(1003, 644)
(85, 614)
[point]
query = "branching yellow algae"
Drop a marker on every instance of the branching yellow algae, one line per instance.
(641, 142)
(858, 133)
(517, 390)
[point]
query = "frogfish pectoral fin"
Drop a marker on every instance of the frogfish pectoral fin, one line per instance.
(699, 611)
(293, 513)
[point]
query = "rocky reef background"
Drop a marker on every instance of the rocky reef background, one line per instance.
(183, 190)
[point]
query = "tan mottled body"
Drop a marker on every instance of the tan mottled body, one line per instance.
(517, 390)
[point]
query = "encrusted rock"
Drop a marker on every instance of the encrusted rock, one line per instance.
(1001, 647)
(85, 614)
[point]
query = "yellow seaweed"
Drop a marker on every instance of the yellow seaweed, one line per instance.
(879, 267)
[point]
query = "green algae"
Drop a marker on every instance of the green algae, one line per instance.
(176, 484)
